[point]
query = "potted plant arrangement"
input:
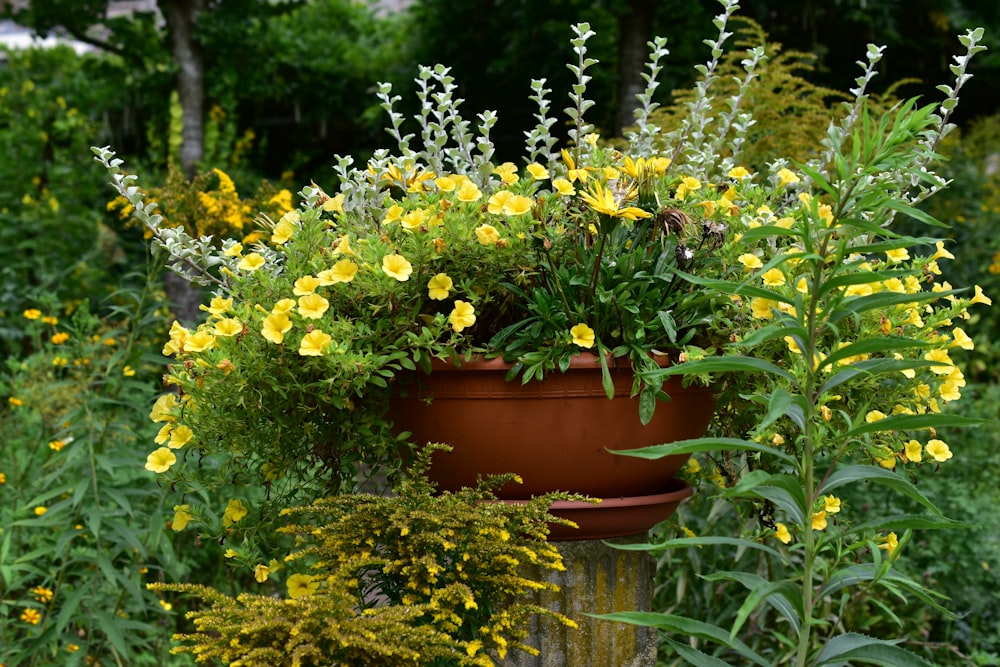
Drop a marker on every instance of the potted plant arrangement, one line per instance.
(438, 256)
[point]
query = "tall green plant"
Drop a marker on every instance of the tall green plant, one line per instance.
(845, 375)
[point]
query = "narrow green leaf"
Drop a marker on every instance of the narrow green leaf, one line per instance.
(853, 647)
(685, 626)
(697, 445)
(859, 473)
(777, 406)
(785, 597)
(725, 365)
(707, 541)
(909, 522)
(111, 630)
(914, 422)
(693, 656)
(871, 346)
(757, 595)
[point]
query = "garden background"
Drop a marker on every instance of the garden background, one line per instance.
(271, 91)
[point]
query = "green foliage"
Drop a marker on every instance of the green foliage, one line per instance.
(414, 578)
(845, 376)
(81, 528)
(53, 242)
(971, 206)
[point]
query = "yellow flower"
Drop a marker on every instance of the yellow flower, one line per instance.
(344, 246)
(773, 277)
(275, 326)
(235, 510)
(462, 316)
(890, 543)
(166, 605)
(182, 516)
(314, 343)
(49, 319)
(874, 416)
(583, 335)
(750, 261)
(787, 177)
(603, 201)
(941, 252)
(32, 314)
(341, 272)
(781, 533)
(56, 445)
(261, 572)
(938, 450)
(234, 250)
(160, 460)
(199, 342)
(507, 173)
(217, 306)
(163, 408)
(563, 187)
(897, 255)
(392, 214)
(128, 371)
(793, 345)
(446, 183)
(397, 266)
(40, 510)
(42, 594)
(282, 231)
(179, 436)
(334, 204)
(439, 287)
(487, 234)
(761, 308)
(961, 339)
(517, 205)
(468, 192)
(914, 451)
(414, 219)
(60, 338)
(831, 504)
(979, 297)
(819, 521)
(888, 459)
(283, 306)
(313, 306)
(738, 173)
(305, 285)
(72, 648)
(31, 616)
(538, 172)
(228, 326)
(940, 356)
(692, 466)
(300, 585)
(251, 262)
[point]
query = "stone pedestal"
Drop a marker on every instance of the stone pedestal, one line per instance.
(598, 579)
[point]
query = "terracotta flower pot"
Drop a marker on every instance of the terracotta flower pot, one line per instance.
(555, 434)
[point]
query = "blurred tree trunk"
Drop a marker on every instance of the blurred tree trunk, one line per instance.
(635, 30)
(182, 21)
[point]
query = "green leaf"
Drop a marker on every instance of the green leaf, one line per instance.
(708, 541)
(725, 365)
(697, 445)
(873, 367)
(871, 346)
(908, 522)
(852, 647)
(110, 628)
(777, 407)
(647, 405)
(693, 656)
(782, 595)
(914, 422)
(685, 626)
(858, 473)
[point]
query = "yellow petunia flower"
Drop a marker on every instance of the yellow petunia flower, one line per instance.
(583, 335)
(313, 306)
(462, 316)
(397, 266)
(275, 326)
(182, 516)
(938, 450)
(439, 287)
(160, 460)
(314, 343)
(781, 533)
(235, 511)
